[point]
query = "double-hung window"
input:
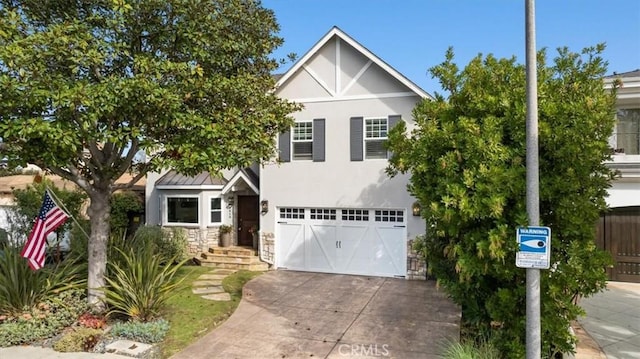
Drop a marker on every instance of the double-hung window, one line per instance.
(628, 131)
(215, 210)
(182, 210)
(303, 141)
(375, 134)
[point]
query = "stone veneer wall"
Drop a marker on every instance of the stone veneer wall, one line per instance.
(199, 240)
(268, 247)
(416, 266)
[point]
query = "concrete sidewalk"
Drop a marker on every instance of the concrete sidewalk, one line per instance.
(613, 319)
(33, 352)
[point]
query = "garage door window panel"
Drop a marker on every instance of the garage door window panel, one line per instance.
(291, 213)
(355, 215)
(322, 214)
(389, 216)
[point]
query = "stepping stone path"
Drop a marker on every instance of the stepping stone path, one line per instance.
(209, 286)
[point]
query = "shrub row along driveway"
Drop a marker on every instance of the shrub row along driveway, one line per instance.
(285, 314)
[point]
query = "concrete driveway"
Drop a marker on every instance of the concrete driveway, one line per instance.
(286, 314)
(613, 319)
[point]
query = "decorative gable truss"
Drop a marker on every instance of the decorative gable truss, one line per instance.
(338, 68)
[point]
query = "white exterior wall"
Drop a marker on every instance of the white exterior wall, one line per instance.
(625, 190)
(152, 200)
(338, 181)
(624, 194)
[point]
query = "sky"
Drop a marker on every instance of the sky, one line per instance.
(413, 35)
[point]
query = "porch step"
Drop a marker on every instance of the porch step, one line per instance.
(222, 258)
(256, 266)
(232, 251)
(232, 258)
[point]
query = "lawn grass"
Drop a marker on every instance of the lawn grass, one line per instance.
(191, 316)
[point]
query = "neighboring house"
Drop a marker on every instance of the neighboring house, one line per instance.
(22, 181)
(326, 204)
(619, 229)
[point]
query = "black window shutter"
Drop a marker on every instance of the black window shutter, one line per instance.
(318, 140)
(284, 146)
(393, 120)
(356, 137)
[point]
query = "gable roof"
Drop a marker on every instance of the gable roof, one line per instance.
(247, 176)
(336, 32)
(634, 73)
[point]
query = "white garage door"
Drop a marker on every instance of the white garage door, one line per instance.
(350, 241)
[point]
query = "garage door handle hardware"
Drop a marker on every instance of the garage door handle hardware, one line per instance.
(282, 222)
(399, 226)
(338, 244)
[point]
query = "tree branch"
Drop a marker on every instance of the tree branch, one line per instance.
(126, 162)
(73, 175)
(141, 173)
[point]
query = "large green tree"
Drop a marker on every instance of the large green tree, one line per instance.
(86, 85)
(467, 155)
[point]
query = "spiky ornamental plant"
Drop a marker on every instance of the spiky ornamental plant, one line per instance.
(467, 160)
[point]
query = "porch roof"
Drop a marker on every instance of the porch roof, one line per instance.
(204, 180)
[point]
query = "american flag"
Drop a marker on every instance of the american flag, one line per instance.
(50, 217)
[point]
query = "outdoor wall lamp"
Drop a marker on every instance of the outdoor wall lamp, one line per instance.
(415, 208)
(264, 206)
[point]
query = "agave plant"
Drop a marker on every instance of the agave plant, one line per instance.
(22, 288)
(138, 284)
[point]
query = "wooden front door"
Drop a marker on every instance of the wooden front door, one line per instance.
(247, 219)
(619, 234)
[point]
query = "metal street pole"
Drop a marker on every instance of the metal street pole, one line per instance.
(534, 342)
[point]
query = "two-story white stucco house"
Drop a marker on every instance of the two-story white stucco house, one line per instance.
(325, 204)
(619, 229)
(329, 205)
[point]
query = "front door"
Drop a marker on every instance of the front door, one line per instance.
(247, 219)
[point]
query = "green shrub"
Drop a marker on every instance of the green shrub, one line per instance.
(149, 332)
(22, 288)
(124, 205)
(44, 320)
(468, 349)
(79, 340)
(170, 244)
(78, 241)
(467, 158)
(138, 285)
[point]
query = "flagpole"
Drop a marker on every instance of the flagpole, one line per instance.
(58, 201)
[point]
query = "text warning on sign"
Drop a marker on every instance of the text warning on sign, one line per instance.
(534, 247)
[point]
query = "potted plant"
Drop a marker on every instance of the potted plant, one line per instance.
(254, 235)
(225, 235)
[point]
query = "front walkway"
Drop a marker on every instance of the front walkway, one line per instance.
(285, 314)
(613, 319)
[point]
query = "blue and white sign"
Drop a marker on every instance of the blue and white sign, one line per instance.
(534, 247)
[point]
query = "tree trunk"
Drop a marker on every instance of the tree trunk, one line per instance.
(99, 213)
